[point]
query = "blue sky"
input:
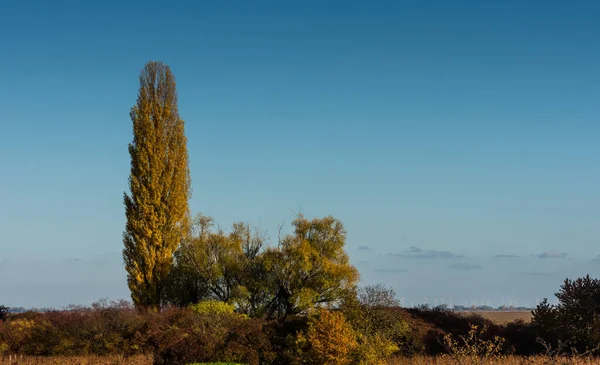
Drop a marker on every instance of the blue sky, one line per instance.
(467, 127)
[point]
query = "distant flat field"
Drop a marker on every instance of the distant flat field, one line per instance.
(503, 317)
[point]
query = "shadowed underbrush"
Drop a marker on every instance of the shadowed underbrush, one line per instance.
(172, 336)
(78, 360)
(117, 333)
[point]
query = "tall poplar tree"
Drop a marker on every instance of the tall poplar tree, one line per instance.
(157, 208)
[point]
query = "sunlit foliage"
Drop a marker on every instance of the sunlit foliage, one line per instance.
(309, 267)
(157, 206)
(329, 339)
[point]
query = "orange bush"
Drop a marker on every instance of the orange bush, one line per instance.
(329, 338)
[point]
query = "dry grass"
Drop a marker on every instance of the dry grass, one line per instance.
(500, 317)
(77, 360)
(418, 360)
(510, 360)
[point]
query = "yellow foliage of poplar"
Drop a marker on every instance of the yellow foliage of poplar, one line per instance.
(157, 208)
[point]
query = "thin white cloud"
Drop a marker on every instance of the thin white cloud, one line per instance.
(417, 253)
(390, 271)
(505, 256)
(465, 266)
(552, 255)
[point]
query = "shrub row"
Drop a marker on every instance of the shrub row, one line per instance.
(173, 336)
(211, 333)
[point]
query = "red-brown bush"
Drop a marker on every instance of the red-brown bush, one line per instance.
(180, 336)
(173, 336)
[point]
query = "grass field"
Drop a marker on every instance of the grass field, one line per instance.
(503, 317)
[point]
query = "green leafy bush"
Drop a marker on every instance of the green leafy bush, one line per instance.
(213, 307)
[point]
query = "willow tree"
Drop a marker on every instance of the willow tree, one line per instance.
(157, 207)
(309, 267)
(219, 265)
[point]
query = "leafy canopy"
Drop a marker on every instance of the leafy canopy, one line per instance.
(159, 182)
(309, 267)
(306, 269)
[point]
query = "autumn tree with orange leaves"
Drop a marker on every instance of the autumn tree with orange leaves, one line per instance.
(328, 340)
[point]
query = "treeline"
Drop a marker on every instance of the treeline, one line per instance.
(474, 308)
(487, 308)
(365, 328)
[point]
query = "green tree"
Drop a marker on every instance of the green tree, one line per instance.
(309, 267)
(370, 310)
(183, 286)
(227, 264)
(157, 207)
(306, 269)
(579, 304)
(378, 328)
(574, 322)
